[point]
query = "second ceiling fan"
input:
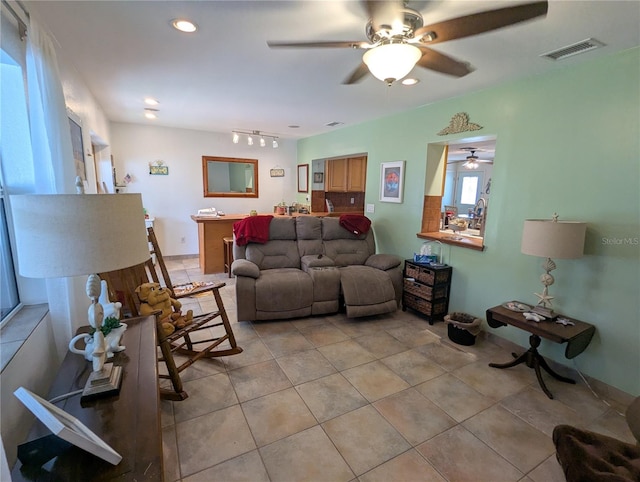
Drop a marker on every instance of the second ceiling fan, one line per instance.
(399, 40)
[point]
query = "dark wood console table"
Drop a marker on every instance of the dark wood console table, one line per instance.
(128, 422)
(577, 337)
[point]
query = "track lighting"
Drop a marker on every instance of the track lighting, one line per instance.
(251, 134)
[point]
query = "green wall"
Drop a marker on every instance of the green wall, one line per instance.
(567, 142)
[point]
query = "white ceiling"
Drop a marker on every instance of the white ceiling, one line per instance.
(224, 76)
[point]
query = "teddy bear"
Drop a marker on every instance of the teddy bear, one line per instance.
(155, 298)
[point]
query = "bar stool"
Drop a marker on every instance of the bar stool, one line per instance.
(228, 254)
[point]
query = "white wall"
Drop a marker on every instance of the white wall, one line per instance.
(172, 199)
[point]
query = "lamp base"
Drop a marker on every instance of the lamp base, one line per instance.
(103, 383)
(546, 312)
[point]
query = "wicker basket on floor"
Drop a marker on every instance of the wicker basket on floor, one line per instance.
(462, 328)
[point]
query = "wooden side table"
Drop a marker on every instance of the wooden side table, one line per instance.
(128, 422)
(577, 337)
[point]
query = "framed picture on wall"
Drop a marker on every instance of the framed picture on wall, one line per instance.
(78, 148)
(303, 178)
(318, 177)
(392, 181)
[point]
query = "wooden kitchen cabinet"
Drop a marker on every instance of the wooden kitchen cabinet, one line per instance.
(346, 175)
(356, 174)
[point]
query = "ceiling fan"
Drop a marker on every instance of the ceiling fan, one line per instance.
(473, 162)
(398, 38)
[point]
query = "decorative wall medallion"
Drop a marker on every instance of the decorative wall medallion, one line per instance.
(459, 123)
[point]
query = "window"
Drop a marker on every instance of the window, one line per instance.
(468, 192)
(16, 173)
(9, 299)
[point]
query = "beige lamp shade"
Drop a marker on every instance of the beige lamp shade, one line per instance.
(60, 235)
(549, 238)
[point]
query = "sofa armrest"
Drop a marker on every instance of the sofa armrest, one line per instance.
(383, 261)
(243, 267)
(315, 261)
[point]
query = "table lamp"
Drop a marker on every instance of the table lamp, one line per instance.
(551, 238)
(65, 235)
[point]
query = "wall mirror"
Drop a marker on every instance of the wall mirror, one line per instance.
(229, 177)
(303, 178)
(459, 180)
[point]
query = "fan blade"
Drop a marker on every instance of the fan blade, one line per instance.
(440, 62)
(371, 6)
(482, 22)
(357, 75)
(356, 44)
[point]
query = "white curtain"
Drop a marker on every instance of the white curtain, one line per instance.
(50, 134)
(54, 167)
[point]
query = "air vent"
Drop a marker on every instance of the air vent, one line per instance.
(334, 124)
(574, 49)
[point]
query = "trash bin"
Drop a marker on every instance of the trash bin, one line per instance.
(463, 328)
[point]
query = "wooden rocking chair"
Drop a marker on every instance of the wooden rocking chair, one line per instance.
(122, 285)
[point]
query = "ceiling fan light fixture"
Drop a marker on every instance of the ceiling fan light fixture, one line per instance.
(184, 25)
(391, 62)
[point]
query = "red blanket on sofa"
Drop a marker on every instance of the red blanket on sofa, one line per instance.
(355, 223)
(254, 229)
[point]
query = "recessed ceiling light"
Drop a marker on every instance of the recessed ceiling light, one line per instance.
(184, 25)
(150, 101)
(293, 126)
(410, 81)
(151, 113)
(334, 124)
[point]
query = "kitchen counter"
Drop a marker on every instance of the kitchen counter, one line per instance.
(455, 239)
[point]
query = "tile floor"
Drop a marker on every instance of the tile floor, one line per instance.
(386, 398)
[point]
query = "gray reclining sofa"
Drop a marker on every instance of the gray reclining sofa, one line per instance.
(309, 266)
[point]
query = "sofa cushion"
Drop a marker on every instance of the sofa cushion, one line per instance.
(282, 228)
(331, 229)
(274, 254)
(309, 232)
(363, 285)
(347, 252)
(309, 227)
(383, 261)
(283, 289)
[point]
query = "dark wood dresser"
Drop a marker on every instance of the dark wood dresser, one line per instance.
(128, 422)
